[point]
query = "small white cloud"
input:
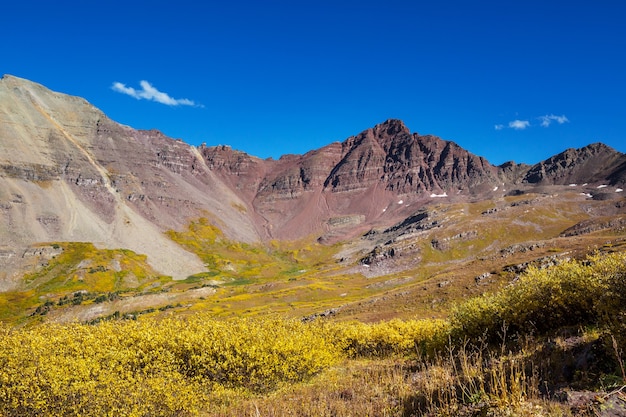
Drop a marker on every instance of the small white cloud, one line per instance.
(524, 124)
(149, 92)
(549, 118)
(519, 124)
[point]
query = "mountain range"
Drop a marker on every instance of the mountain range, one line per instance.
(70, 174)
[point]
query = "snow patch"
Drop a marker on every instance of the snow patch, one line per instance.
(573, 185)
(495, 188)
(602, 186)
(586, 195)
(401, 202)
(618, 190)
(433, 195)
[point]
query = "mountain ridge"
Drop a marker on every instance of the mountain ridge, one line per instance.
(67, 173)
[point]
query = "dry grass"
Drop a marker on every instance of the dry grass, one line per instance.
(462, 385)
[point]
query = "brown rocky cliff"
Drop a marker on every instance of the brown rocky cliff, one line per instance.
(350, 184)
(243, 173)
(293, 174)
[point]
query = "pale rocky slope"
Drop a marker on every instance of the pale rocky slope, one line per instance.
(68, 173)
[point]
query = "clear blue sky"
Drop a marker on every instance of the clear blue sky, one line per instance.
(507, 80)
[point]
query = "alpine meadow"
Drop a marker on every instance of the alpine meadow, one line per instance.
(389, 274)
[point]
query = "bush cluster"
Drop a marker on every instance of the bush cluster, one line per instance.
(390, 338)
(573, 293)
(151, 368)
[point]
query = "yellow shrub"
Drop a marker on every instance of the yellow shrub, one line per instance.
(257, 354)
(90, 371)
(573, 293)
(156, 368)
(395, 337)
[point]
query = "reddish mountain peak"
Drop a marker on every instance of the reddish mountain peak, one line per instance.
(391, 127)
(389, 155)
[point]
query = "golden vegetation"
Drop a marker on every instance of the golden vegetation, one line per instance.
(301, 277)
(79, 268)
(156, 368)
(486, 359)
(240, 261)
(573, 293)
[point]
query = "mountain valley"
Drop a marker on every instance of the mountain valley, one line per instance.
(100, 220)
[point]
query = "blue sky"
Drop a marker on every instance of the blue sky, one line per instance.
(507, 80)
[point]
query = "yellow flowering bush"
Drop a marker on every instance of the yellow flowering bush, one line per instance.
(253, 353)
(576, 292)
(394, 337)
(173, 366)
(151, 368)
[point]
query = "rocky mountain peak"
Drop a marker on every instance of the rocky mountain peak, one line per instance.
(407, 163)
(68, 173)
(593, 163)
(391, 127)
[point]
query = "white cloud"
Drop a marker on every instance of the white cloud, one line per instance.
(519, 124)
(549, 118)
(149, 92)
(525, 124)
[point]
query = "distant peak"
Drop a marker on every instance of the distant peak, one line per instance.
(598, 147)
(391, 127)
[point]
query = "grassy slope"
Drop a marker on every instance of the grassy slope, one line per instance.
(79, 274)
(300, 278)
(390, 368)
